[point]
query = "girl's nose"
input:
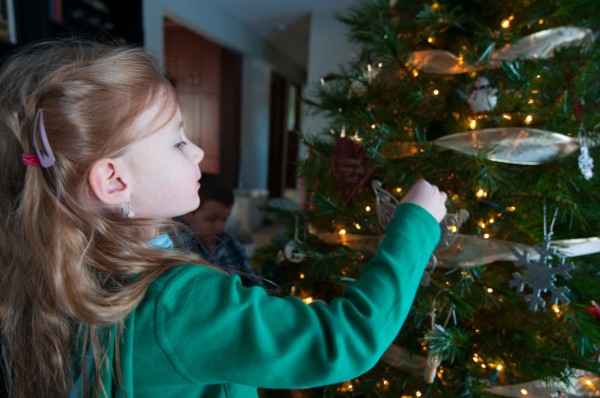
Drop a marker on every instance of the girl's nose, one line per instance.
(197, 154)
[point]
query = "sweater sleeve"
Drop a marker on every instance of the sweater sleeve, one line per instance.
(209, 329)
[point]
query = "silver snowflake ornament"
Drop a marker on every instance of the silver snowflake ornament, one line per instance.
(540, 276)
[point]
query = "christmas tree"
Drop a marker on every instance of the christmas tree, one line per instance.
(498, 104)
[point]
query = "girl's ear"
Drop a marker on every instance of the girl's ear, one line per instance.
(106, 182)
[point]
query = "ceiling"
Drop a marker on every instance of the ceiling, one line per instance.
(285, 23)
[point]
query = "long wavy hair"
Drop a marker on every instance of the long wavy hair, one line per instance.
(68, 268)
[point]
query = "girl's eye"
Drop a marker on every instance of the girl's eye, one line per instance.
(181, 144)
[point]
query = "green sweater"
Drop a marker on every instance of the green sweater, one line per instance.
(200, 333)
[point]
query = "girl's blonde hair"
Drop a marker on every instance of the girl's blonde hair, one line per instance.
(66, 269)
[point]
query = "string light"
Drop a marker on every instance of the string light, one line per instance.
(436, 92)
(481, 193)
(511, 208)
(368, 209)
(301, 276)
(415, 73)
(430, 39)
(524, 391)
(322, 80)
(486, 236)
(490, 290)
(506, 22)
(373, 126)
(308, 300)
(541, 21)
(528, 119)
(507, 116)
(557, 310)
(473, 124)
(342, 231)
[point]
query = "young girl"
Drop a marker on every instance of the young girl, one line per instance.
(93, 299)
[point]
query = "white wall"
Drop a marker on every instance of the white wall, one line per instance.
(256, 91)
(329, 48)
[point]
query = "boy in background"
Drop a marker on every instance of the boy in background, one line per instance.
(209, 238)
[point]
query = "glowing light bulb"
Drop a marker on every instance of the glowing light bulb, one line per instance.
(541, 21)
(490, 290)
(506, 116)
(308, 300)
(528, 119)
(373, 126)
(342, 231)
(486, 236)
(415, 73)
(430, 39)
(301, 276)
(368, 209)
(436, 92)
(506, 22)
(481, 193)
(523, 391)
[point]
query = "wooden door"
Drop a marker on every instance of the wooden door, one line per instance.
(207, 78)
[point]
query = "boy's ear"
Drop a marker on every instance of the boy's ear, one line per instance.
(107, 183)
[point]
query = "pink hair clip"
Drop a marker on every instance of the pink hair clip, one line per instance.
(43, 158)
(30, 160)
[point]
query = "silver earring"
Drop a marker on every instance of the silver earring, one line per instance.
(126, 209)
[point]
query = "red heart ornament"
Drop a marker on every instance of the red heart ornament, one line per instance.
(350, 167)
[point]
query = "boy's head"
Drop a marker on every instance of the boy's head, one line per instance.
(216, 202)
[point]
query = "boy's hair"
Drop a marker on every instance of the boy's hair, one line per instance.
(213, 187)
(66, 263)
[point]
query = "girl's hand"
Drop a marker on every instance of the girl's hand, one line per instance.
(428, 197)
